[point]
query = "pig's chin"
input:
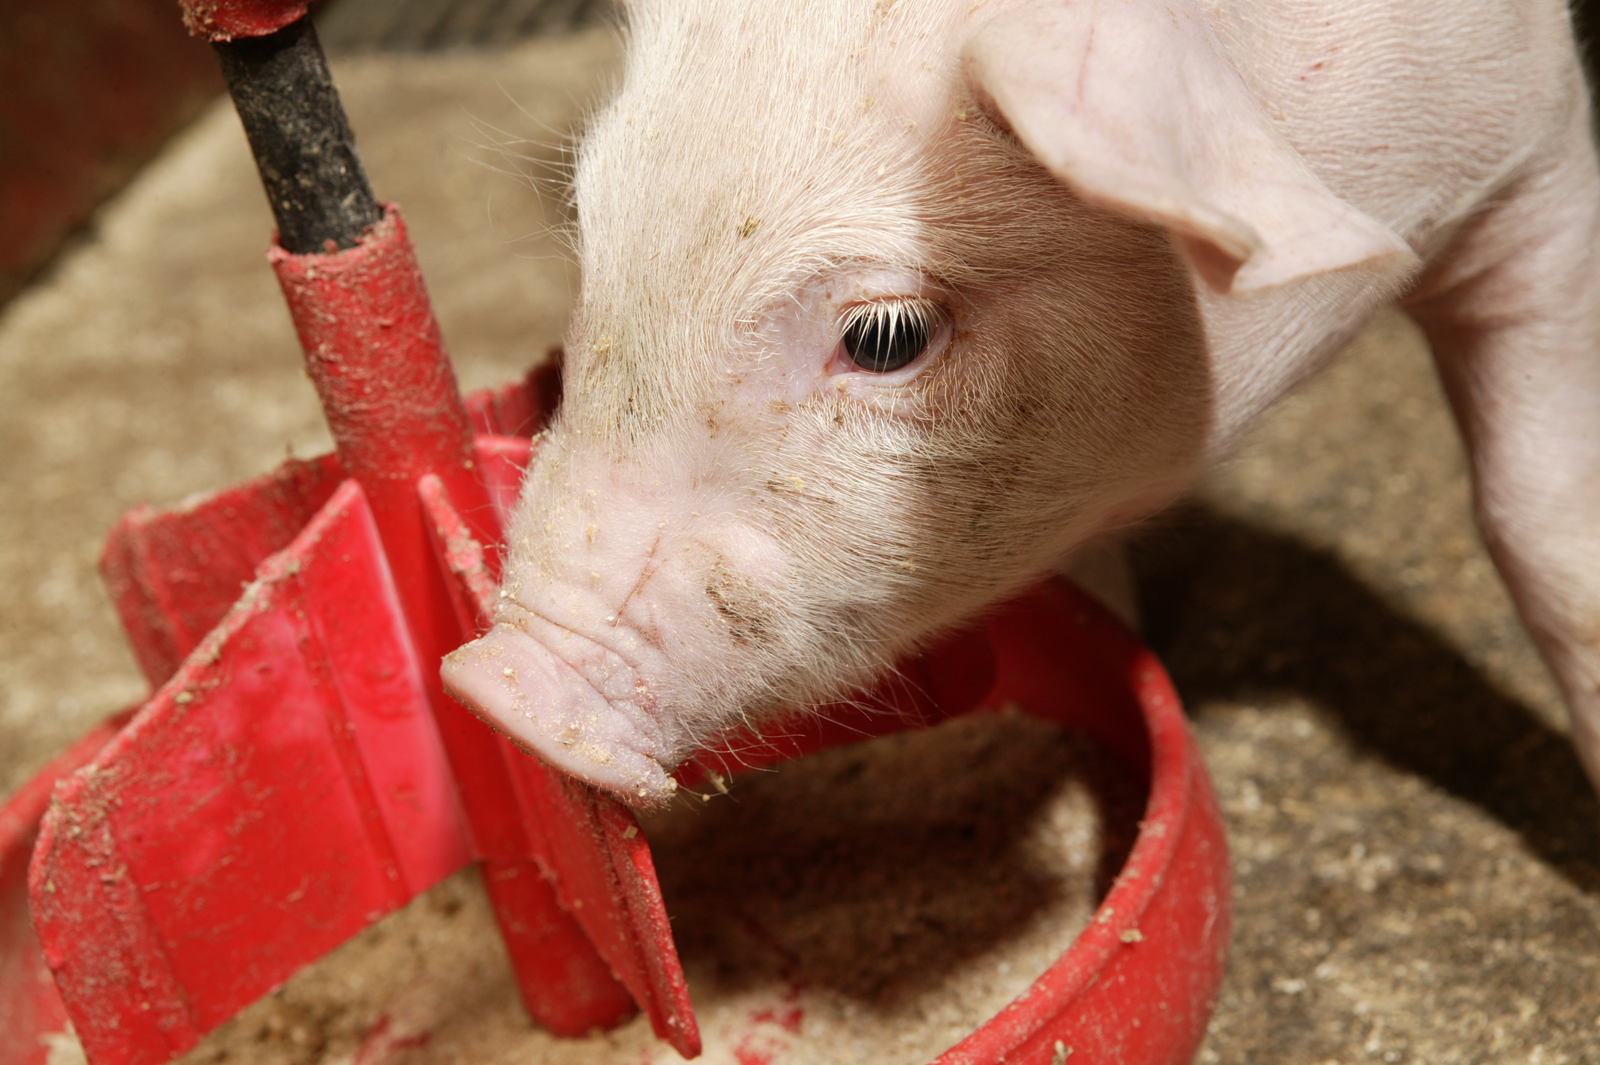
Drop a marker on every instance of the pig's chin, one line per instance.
(549, 708)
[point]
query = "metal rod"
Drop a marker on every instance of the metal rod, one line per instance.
(300, 137)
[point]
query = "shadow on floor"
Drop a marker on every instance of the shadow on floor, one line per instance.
(1241, 613)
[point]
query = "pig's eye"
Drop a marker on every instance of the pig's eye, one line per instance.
(880, 337)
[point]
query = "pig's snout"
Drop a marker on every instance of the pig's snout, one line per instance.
(553, 707)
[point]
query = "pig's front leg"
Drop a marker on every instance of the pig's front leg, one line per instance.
(1513, 314)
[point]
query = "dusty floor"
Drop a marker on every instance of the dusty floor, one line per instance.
(1417, 855)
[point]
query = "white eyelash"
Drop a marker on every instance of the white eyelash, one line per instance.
(893, 314)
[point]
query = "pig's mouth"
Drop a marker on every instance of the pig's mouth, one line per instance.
(584, 711)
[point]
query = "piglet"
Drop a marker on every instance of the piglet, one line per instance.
(889, 307)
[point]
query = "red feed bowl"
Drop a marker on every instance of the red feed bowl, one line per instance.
(1139, 983)
(1136, 985)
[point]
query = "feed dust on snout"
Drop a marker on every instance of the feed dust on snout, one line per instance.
(871, 903)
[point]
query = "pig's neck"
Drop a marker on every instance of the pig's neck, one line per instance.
(1263, 345)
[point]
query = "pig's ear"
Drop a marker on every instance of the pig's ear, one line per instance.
(1134, 104)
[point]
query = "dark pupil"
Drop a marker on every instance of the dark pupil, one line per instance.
(884, 342)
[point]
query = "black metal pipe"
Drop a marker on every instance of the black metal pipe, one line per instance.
(300, 137)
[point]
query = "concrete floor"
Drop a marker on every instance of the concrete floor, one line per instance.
(1417, 854)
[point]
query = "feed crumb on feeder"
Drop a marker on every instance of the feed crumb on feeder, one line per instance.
(630, 832)
(1132, 935)
(1063, 1052)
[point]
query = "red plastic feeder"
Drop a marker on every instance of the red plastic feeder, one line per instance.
(299, 773)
